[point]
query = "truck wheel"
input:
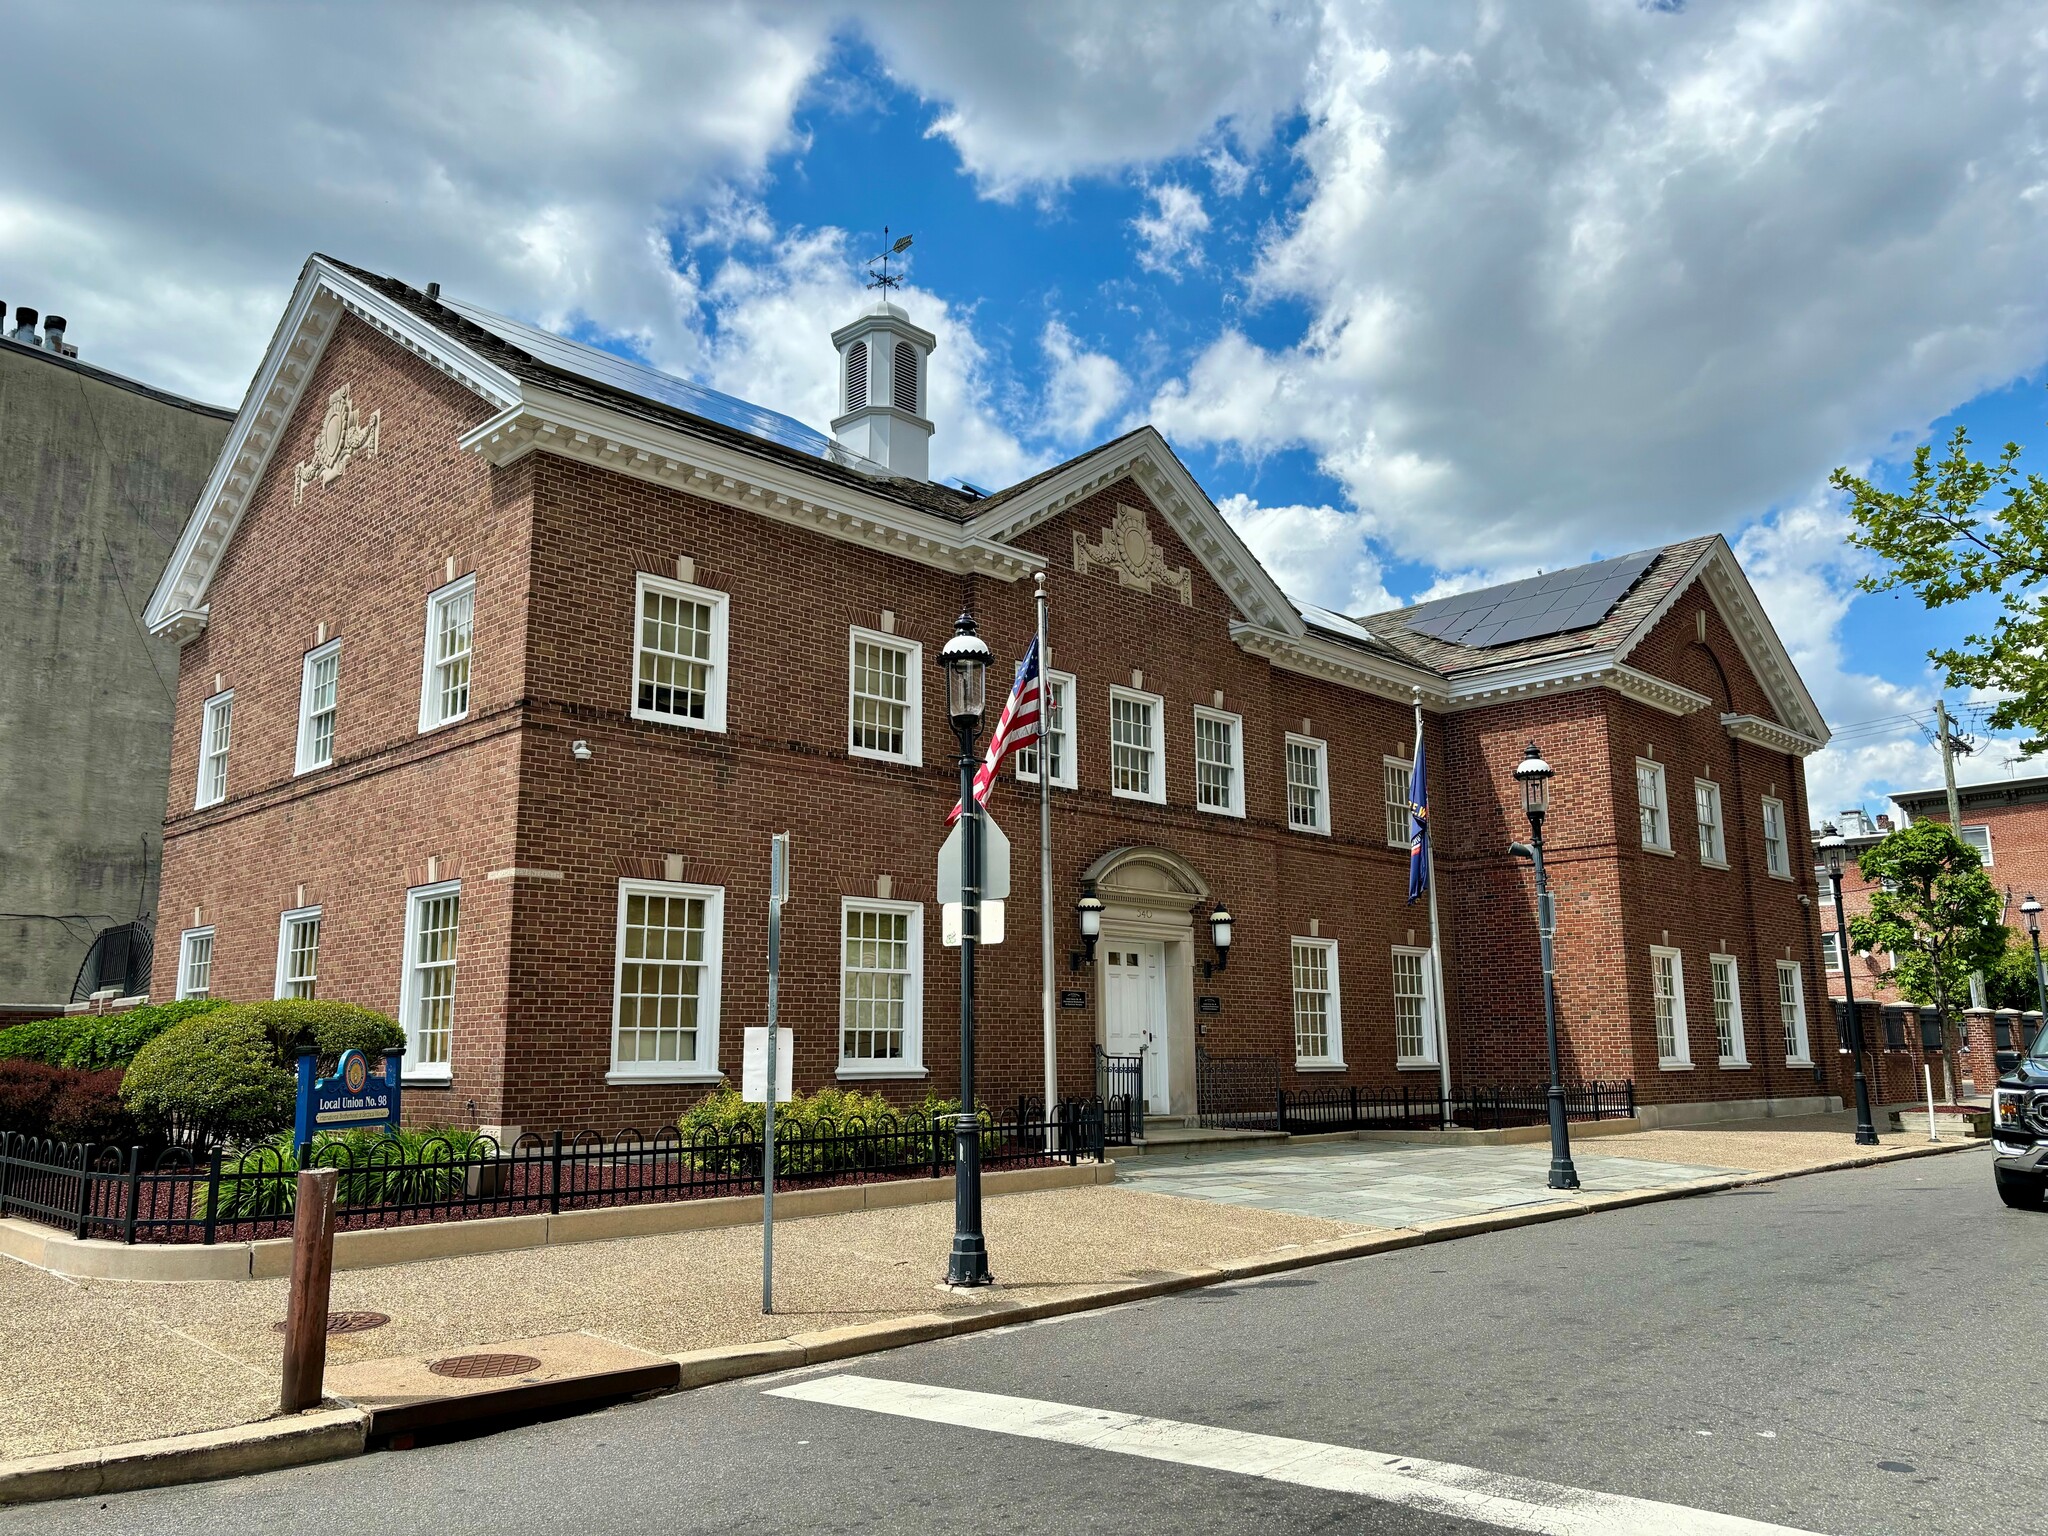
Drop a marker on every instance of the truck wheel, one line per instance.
(2020, 1193)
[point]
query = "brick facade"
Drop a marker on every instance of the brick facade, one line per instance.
(540, 836)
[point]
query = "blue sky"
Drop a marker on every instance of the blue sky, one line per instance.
(1426, 292)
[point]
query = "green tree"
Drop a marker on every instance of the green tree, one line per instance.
(1936, 912)
(1965, 529)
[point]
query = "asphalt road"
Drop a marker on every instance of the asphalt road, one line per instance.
(1821, 1353)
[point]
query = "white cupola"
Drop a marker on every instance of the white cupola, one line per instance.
(884, 361)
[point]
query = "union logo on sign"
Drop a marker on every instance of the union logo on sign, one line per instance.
(355, 1072)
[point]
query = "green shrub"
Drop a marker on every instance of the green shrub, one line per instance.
(217, 1075)
(335, 1027)
(39, 1040)
(112, 1039)
(412, 1166)
(723, 1131)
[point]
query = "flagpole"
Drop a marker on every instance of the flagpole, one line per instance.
(1436, 954)
(1046, 1001)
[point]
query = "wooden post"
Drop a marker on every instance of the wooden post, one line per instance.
(305, 1318)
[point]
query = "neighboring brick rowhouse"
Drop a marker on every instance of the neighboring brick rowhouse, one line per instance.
(540, 836)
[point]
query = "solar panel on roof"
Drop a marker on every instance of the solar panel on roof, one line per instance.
(1551, 604)
(622, 373)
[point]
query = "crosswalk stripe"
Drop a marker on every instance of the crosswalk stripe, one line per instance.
(1442, 1487)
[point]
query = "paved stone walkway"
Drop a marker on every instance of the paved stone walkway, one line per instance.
(1391, 1185)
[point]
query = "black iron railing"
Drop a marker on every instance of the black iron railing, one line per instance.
(1235, 1093)
(1120, 1085)
(206, 1195)
(1309, 1110)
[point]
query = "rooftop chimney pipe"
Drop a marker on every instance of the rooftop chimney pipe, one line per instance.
(24, 325)
(53, 334)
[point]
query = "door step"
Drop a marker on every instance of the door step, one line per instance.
(1191, 1140)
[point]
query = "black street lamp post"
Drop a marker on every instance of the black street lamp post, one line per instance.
(1834, 850)
(2032, 909)
(1532, 776)
(966, 658)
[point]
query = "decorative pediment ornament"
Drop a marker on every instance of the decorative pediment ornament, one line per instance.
(1126, 547)
(343, 434)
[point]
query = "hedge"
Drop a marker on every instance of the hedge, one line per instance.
(229, 1074)
(410, 1167)
(723, 1131)
(96, 1040)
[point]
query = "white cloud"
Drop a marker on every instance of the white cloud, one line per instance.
(1170, 236)
(1229, 173)
(1317, 554)
(1034, 95)
(1084, 387)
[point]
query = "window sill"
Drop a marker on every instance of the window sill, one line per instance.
(428, 727)
(1713, 863)
(1414, 1064)
(1734, 1064)
(1662, 853)
(1221, 810)
(299, 771)
(1799, 1061)
(1775, 875)
(870, 755)
(657, 1079)
(1319, 1066)
(1132, 794)
(1032, 780)
(1314, 831)
(1673, 1064)
(681, 722)
(437, 1080)
(892, 1070)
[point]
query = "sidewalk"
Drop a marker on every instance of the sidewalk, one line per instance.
(86, 1363)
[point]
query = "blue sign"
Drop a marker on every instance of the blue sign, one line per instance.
(353, 1099)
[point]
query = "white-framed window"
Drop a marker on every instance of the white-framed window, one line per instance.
(1792, 1013)
(426, 989)
(666, 990)
(1318, 1010)
(298, 953)
(1137, 746)
(1058, 739)
(319, 686)
(1831, 952)
(1397, 776)
(444, 678)
(1979, 838)
(195, 963)
(885, 683)
(679, 653)
(1826, 882)
(1414, 1018)
(1667, 999)
(881, 988)
(1652, 807)
(1219, 762)
(1706, 800)
(215, 727)
(1308, 784)
(1777, 857)
(1727, 1010)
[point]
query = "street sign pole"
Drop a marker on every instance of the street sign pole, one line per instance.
(778, 893)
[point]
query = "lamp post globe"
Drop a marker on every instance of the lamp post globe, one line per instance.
(1833, 849)
(2032, 910)
(1532, 778)
(1222, 927)
(965, 659)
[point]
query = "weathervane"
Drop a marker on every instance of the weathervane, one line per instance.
(881, 277)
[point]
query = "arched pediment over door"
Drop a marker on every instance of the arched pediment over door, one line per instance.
(1147, 876)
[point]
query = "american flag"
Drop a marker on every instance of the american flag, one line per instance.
(1017, 724)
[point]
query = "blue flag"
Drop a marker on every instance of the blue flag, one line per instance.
(1418, 825)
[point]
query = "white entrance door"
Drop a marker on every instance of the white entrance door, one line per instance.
(1134, 1010)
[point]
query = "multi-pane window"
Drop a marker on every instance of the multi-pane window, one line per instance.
(679, 654)
(884, 719)
(665, 1016)
(1777, 858)
(1706, 795)
(1396, 774)
(1979, 838)
(1667, 998)
(1219, 767)
(1308, 794)
(195, 963)
(1057, 740)
(1651, 806)
(444, 693)
(1727, 1010)
(1826, 882)
(318, 684)
(214, 729)
(427, 1001)
(1831, 951)
(1792, 1013)
(880, 988)
(1318, 1040)
(1137, 769)
(1414, 1040)
(298, 953)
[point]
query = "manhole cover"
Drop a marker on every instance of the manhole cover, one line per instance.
(470, 1367)
(347, 1322)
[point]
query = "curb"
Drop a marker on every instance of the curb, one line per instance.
(333, 1434)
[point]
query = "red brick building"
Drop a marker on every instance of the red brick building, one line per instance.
(503, 659)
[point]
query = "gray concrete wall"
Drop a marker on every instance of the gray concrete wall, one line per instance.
(97, 476)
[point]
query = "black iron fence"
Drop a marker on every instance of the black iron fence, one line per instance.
(185, 1195)
(1306, 1111)
(1120, 1086)
(1235, 1093)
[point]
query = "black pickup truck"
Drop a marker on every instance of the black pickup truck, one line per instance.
(2019, 1129)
